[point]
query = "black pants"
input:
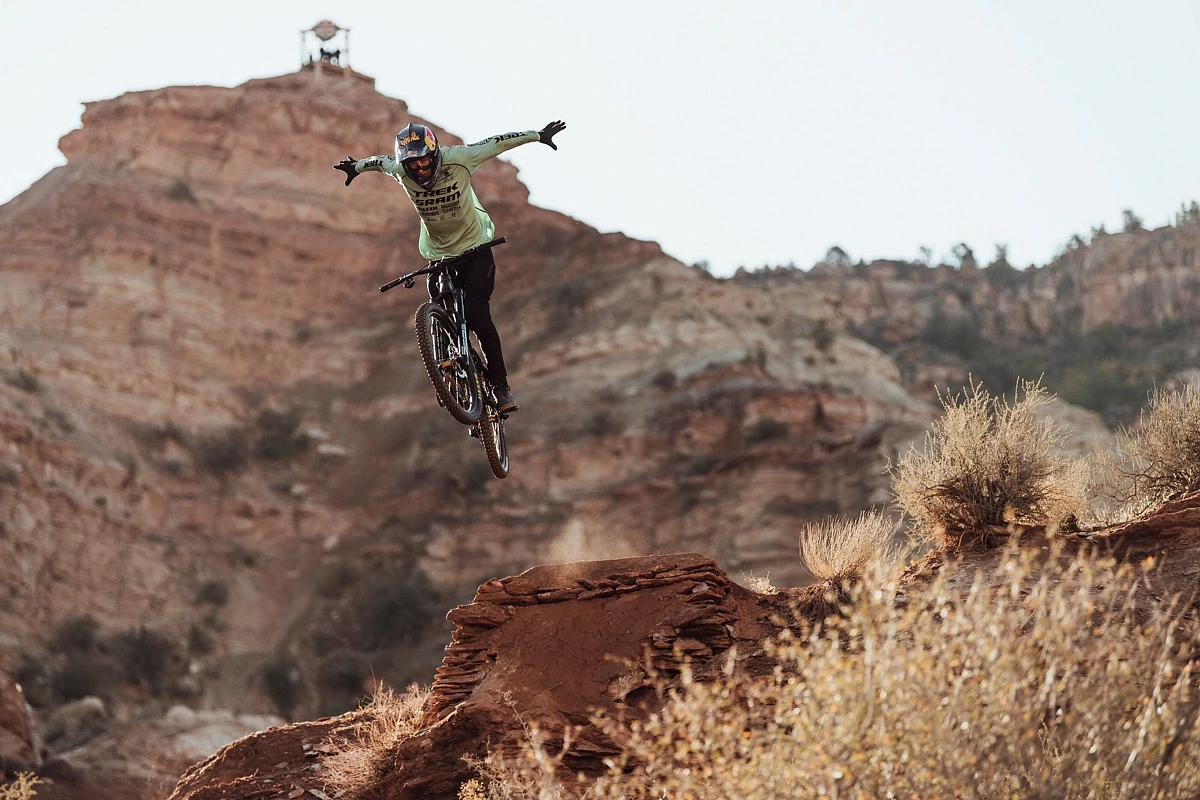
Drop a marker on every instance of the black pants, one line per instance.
(477, 276)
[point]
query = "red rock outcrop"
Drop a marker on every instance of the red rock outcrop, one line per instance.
(545, 648)
(559, 641)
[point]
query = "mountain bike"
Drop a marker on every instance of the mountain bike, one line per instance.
(454, 364)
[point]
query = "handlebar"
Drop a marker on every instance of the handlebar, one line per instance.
(442, 263)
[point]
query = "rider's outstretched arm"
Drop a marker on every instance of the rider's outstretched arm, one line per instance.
(353, 167)
(493, 146)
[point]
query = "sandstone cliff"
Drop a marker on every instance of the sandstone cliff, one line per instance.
(1107, 319)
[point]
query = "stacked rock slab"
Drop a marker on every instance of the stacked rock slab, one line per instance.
(551, 646)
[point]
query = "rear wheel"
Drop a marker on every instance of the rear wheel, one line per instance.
(495, 442)
(491, 423)
(451, 371)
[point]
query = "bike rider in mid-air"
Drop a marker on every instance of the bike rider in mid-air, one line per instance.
(453, 221)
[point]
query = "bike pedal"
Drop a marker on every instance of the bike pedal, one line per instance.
(474, 433)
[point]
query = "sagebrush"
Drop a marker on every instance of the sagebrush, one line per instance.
(989, 463)
(841, 550)
(357, 758)
(1156, 459)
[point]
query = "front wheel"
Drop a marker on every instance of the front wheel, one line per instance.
(451, 371)
(495, 442)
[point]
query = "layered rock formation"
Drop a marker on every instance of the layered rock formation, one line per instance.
(934, 321)
(1137, 278)
(216, 434)
(547, 649)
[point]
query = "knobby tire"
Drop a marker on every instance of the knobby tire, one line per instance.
(495, 442)
(491, 424)
(454, 378)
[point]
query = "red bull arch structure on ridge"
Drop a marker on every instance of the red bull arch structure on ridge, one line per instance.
(331, 43)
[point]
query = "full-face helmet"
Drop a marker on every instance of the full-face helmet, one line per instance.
(417, 150)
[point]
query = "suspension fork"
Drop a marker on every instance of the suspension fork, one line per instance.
(464, 336)
(464, 333)
(445, 291)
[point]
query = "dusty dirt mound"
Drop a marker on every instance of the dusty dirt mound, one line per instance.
(278, 762)
(545, 647)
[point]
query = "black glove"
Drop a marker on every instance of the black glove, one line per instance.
(346, 165)
(546, 134)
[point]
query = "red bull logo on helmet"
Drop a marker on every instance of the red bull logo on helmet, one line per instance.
(416, 134)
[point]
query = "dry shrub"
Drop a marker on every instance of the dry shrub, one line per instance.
(20, 788)
(840, 551)
(1062, 681)
(988, 463)
(758, 583)
(356, 761)
(1157, 459)
(531, 774)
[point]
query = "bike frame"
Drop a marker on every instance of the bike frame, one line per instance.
(445, 311)
(445, 290)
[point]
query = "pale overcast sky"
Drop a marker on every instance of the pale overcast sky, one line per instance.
(741, 134)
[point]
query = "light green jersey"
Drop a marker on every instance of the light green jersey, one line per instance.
(452, 218)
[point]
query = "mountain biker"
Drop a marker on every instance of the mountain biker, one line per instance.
(438, 182)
